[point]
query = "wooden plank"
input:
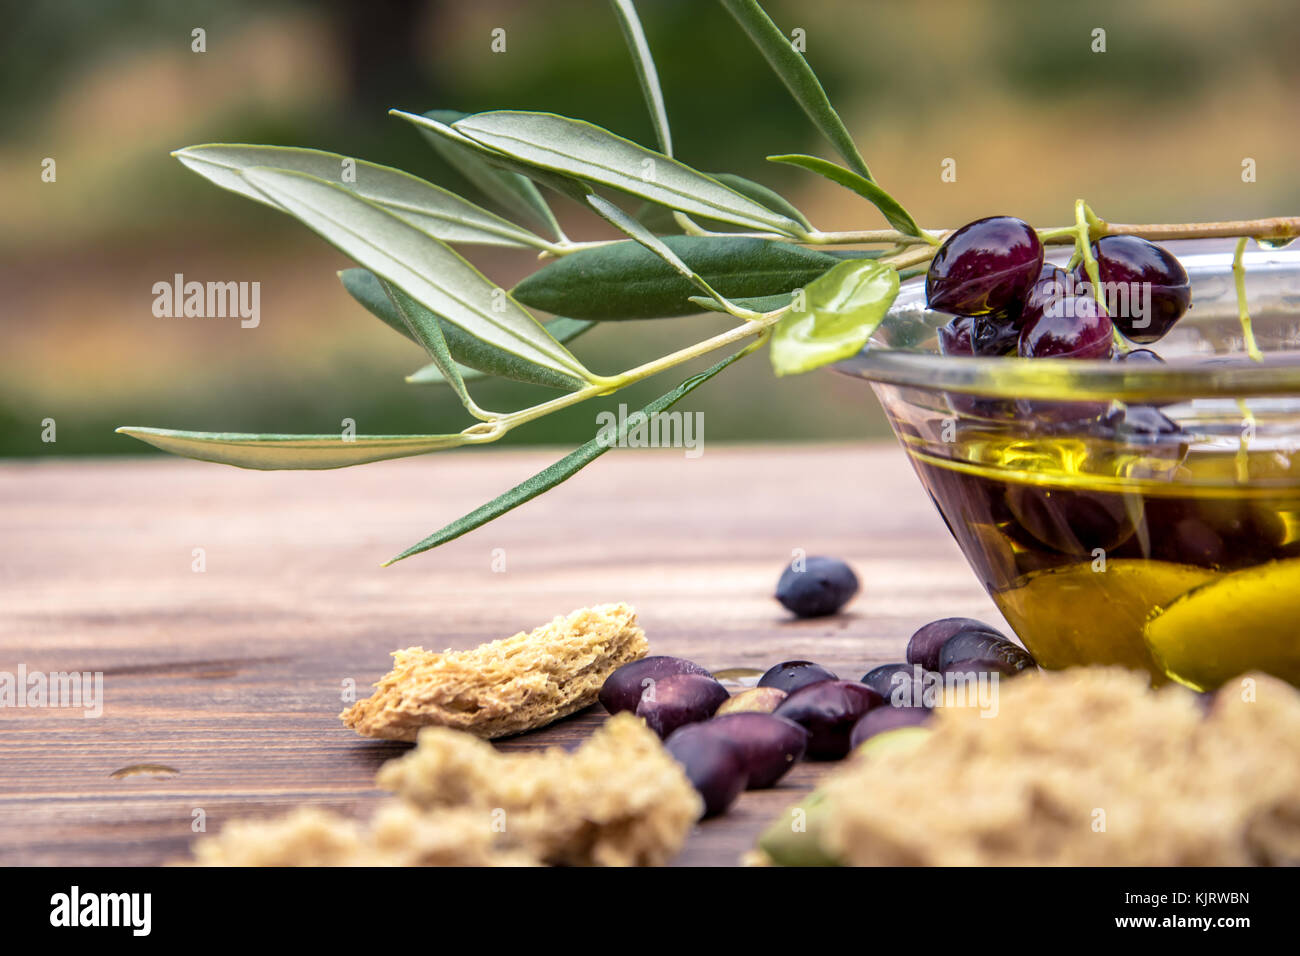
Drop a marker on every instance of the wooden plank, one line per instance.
(233, 675)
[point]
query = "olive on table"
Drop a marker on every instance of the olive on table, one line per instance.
(878, 720)
(768, 745)
(679, 699)
(828, 710)
(712, 763)
(923, 647)
(901, 685)
(760, 700)
(981, 652)
(789, 676)
(820, 587)
(622, 690)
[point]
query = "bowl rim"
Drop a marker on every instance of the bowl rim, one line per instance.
(1075, 379)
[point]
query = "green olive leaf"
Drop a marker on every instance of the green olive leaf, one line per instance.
(427, 270)
(274, 452)
(564, 469)
(646, 73)
(427, 329)
(897, 216)
(478, 357)
(798, 77)
(436, 130)
(624, 280)
(660, 219)
(441, 213)
(562, 330)
(593, 155)
(761, 303)
(512, 191)
(649, 240)
(762, 194)
(840, 311)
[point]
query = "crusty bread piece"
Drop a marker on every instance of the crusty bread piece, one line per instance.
(398, 835)
(618, 800)
(1085, 767)
(506, 687)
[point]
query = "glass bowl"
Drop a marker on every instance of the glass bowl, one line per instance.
(1146, 515)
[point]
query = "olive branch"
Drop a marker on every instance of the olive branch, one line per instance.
(695, 241)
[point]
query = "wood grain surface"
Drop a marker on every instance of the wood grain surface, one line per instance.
(233, 676)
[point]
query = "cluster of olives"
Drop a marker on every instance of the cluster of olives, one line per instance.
(991, 275)
(729, 744)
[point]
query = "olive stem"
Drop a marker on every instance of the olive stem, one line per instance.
(1243, 313)
(1083, 224)
(1278, 227)
(760, 326)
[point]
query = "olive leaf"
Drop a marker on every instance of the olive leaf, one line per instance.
(436, 130)
(274, 452)
(480, 357)
(511, 190)
(562, 330)
(427, 270)
(840, 311)
(624, 280)
(427, 329)
(798, 77)
(590, 154)
(649, 240)
(437, 211)
(646, 73)
(897, 216)
(762, 194)
(660, 218)
(761, 303)
(564, 469)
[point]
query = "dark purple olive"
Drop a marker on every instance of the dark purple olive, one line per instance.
(712, 763)
(791, 675)
(956, 338)
(1145, 286)
(679, 699)
(977, 648)
(1074, 327)
(622, 689)
(897, 683)
(880, 719)
(995, 334)
(977, 667)
(821, 587)
(923, 647)
(768, 745)
(1052, 285)
(985, 266)
(828, 710)
(1074, 522)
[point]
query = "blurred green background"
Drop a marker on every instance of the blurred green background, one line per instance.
(1154, 129)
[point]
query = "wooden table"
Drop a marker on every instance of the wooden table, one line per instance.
(232, 676)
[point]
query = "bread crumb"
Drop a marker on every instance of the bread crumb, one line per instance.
(618, 800)
(505, 687)
(1083, 767)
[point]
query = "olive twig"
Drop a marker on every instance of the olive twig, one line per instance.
(1243, 313)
